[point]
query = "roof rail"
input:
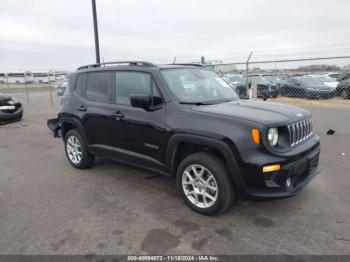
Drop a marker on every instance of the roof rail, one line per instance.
(189, 64)
(130, 63)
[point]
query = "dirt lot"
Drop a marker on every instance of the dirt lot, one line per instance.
(47, 207)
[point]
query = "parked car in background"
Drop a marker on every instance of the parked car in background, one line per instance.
(238, 83)
(344, 76)
(343, 89)
(10, 109)
(266, 88)
(41, 77)
(333, 75)
(327, 80)
(62, 87)
(274, 79)
(306, 87)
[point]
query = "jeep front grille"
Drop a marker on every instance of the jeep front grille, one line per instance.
(300, 131)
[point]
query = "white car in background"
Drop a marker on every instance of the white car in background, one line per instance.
(327, 80)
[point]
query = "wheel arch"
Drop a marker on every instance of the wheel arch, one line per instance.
(68, 123)
(224, 149)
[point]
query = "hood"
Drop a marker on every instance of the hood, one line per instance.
(4, 97)
(331, 84)
(265, 113)
(317, 86)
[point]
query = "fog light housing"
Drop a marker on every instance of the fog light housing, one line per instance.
(271, 168)
(288, 182)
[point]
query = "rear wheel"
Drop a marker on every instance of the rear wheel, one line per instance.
(205, 184)
(76, 150)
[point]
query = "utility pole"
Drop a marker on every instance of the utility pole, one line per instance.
(97, 45)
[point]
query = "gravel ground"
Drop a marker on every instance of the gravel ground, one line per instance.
(48, 207)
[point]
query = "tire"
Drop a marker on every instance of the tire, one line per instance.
(215, 173)
(78, 156)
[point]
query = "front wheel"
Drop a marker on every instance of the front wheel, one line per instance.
(205, 184)
(76, 150)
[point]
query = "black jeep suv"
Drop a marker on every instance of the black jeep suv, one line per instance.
(187, 122)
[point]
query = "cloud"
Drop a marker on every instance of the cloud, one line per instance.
(42, 34)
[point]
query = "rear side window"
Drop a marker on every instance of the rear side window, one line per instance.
(80, 86)
(98, 86)
(134, 83)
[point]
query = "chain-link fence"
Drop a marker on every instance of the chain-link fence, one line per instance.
(322, 79)
(40, 91)
(307, 79)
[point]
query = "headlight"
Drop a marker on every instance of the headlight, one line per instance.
(12, 101)
(272, 136)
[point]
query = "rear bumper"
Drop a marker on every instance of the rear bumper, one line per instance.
(300, 171)
(55, 127)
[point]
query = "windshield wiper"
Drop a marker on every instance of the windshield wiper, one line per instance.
(195, 103)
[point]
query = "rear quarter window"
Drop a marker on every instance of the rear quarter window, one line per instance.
(80, 84)
(99, 86)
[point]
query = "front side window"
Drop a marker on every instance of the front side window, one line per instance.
(98, 86)
(134, 83)
(192, 85)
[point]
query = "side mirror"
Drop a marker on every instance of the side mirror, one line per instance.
(141, 101)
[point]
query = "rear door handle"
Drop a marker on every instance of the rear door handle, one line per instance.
(118, 115)
(82, 108)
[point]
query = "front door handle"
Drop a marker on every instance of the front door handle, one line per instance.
(82, 108)
(118, 115)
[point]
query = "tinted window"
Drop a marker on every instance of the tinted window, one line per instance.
(98, 86)
(132, 83)
(80, 86)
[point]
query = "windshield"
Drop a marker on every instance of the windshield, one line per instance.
(325, 78)
(310, 81)
(192, 85)
(235, 78)
(263, 81)
(273, 79)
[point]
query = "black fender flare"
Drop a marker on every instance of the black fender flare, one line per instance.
(73, 121)
(230, 157)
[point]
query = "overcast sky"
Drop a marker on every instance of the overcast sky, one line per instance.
(40, 34)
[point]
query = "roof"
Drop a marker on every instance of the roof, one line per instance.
(133, 64)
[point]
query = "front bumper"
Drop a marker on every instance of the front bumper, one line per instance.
(320, 94)
(11, 115)
(300, 169)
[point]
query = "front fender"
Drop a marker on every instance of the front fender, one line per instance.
(220, 145)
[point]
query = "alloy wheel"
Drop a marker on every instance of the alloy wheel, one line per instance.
(199, 186)
(74, 150)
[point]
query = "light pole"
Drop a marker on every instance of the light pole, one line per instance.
(97, 45)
